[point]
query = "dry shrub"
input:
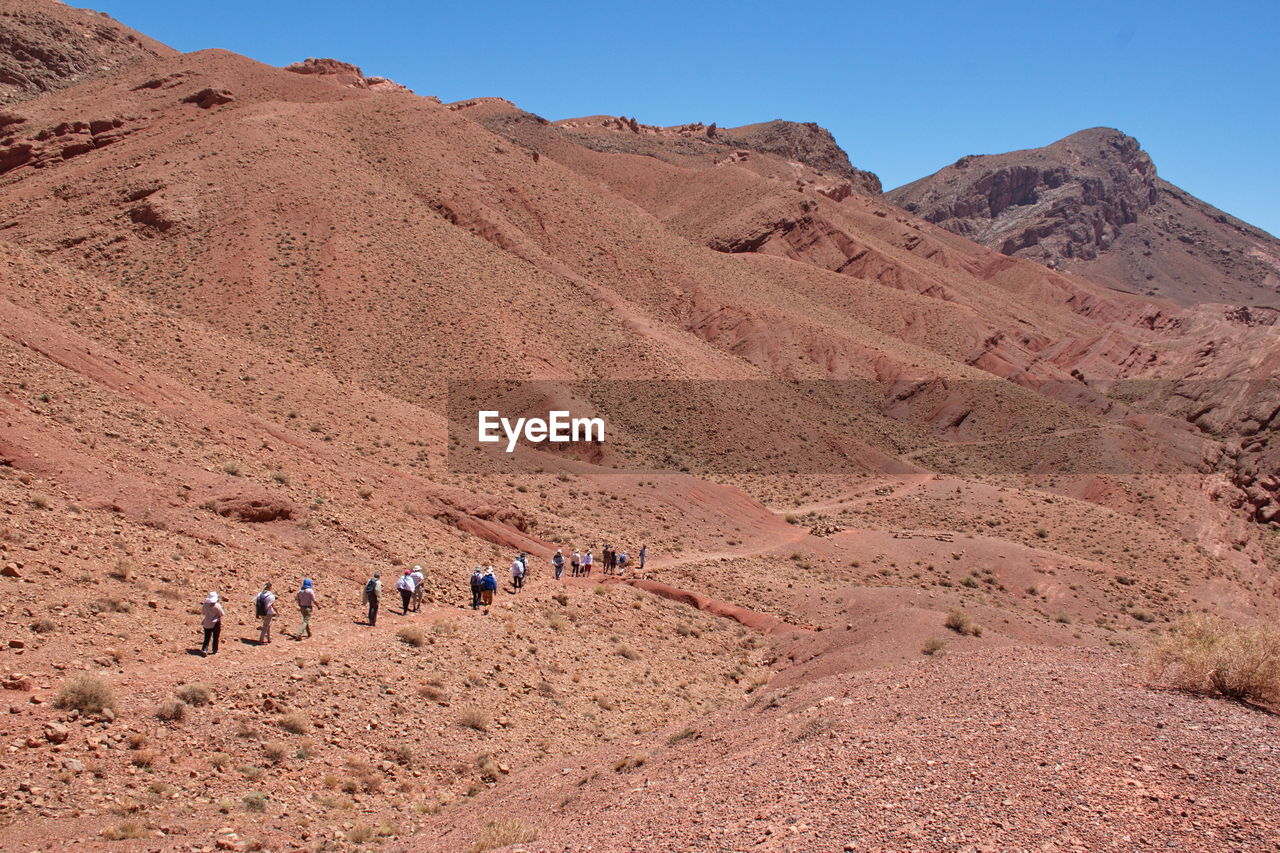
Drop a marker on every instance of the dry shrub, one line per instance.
(295, 723)
(44, 625)
(962, 623)
(433, 691)
(275, 751)
(401, 754)
(361, 775)
(195, 694)
(1205, 655)
(121, 571)
(474, 718)
(145, 758)
(411, 635)
(110, 605)
(86, 693)
(125, 831)
(933, 645)
(171, 710)
(503, 832)
(254, 801)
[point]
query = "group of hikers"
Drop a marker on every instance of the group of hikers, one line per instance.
(412, 586)
(484, 580)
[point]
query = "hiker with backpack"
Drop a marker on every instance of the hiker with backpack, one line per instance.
(644, 549)
(405, 586)
(517, 574)
(606, 557)
(265, 609)
(477, 587)
(586, 564)
(557, 563)
(306, 603)
(488, 586)
(575, 564)
(622, 563)
(211, 621)
(419, 587)
(372, 596)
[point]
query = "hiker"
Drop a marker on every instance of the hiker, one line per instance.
(406, 586)
(557, 563)
(517, 574)
(575, 562)
(622, 563)
(586, 563)
(265, 607)
(644, 549)
(211, 623)
(477, 587)
(419, 587)
(488, 586)
(372, 594)
(606, 557)
(306, 603)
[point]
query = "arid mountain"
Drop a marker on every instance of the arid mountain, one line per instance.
(877, 466)
(1093, 204)
(46, 45)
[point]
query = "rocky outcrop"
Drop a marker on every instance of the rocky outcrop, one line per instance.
(62, 141)
(255, 509)
(207, 98)
(1069, 200)
(804, 142)
(1093, 204)
(45, 46)
(346, 74)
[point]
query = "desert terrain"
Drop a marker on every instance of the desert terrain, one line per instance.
(918, 501)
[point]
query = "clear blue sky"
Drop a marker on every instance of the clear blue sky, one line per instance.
(905, 88)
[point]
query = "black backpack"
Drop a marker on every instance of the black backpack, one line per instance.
(259, 606)
(370, 587)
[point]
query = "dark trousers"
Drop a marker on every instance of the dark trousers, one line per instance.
(559, 571)
(475, 598)
(373, 611)
(517, 581)
(405, 595)
(211, 634)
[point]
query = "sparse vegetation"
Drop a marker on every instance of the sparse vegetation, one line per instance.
(195, 693)
(254, 801)
(962, 623)
(126, 831)
(933, 645)
(412, 635)
(474, 718)
(86, 693)
(503, 832)
(171, 710)
(295, 723)
(1203, 654)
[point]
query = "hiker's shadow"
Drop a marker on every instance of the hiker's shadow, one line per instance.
(251, 642)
